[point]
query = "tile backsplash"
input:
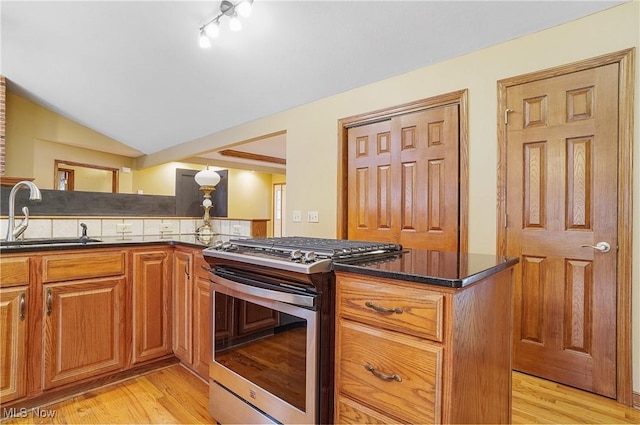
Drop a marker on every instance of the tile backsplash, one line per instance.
(41, 228)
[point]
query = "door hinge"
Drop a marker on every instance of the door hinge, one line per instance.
(506, 115)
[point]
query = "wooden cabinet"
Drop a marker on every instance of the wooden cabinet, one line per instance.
(84, 316)
(150, 300)
(202, 320)
(193, 328)
(93, 314)
(14, 291)
(418, 353)
(182, 304)
(13, 349)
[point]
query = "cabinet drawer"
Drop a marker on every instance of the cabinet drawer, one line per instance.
(419, 310)
(14, 271)
(58, 268)
(415, 396)
(351, 412)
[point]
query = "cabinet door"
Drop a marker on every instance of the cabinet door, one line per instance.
(84, 329)
(182, 308)
(151, 330)
(13, 343)
(202, 327)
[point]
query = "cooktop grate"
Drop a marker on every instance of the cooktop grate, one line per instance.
(331, 248)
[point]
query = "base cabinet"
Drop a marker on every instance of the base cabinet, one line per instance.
(192, 323)
(81, 316)
(202, 324)
(15, 278)
(182, 294)
(418, 353)
(84, 330)
(84, 321)
(13, 348)
(151, 309)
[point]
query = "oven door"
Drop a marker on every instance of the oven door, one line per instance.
(265, 354)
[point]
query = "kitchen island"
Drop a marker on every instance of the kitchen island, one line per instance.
(424, 337)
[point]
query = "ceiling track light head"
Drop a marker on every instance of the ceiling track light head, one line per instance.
(228, 8)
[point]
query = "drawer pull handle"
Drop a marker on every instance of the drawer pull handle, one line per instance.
(49, 302)
(22, 306)
(381, 375)
(381, 309)
(186, 269)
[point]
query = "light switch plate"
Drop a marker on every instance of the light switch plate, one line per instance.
(297, 216)
(312, 217)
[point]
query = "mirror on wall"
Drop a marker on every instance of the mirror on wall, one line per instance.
(74, 176)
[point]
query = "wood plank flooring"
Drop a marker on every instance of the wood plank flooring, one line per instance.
(173, 395)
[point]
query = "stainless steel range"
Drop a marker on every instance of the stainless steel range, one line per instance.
(274, 326)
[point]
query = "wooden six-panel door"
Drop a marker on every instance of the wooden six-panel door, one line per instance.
(562, 158)
(403, 180)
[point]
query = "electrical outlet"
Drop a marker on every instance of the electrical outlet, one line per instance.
(237, 229)
(297, 216)
(123, 228)
(312, 217)
(166, 227)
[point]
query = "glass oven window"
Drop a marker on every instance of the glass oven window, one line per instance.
(265, 346)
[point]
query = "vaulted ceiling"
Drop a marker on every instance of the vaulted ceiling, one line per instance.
(133, 70)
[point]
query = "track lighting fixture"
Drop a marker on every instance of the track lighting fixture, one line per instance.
(211, 29)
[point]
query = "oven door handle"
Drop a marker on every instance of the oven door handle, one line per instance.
(285, 297)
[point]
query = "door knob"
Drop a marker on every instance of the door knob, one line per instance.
(600, 246)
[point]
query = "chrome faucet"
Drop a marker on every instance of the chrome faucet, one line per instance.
(14, 231)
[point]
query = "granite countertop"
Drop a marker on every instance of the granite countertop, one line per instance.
(444, 268)
(34, 245)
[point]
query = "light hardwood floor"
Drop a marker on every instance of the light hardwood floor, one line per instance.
(173, 395)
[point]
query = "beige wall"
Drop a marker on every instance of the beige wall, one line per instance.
(311, 129)
(160, 179)
(249, 192)
(36, 137)
(45, 153)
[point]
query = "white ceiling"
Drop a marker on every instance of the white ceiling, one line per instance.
(133, 70)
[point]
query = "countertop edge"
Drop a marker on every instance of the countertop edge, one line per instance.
(96, 245)
(432, 280)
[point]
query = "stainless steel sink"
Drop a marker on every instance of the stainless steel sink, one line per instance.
(52, 241)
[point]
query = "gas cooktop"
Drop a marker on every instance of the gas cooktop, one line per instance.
(298, 253)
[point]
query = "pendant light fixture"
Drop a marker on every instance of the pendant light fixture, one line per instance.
(211, 29)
